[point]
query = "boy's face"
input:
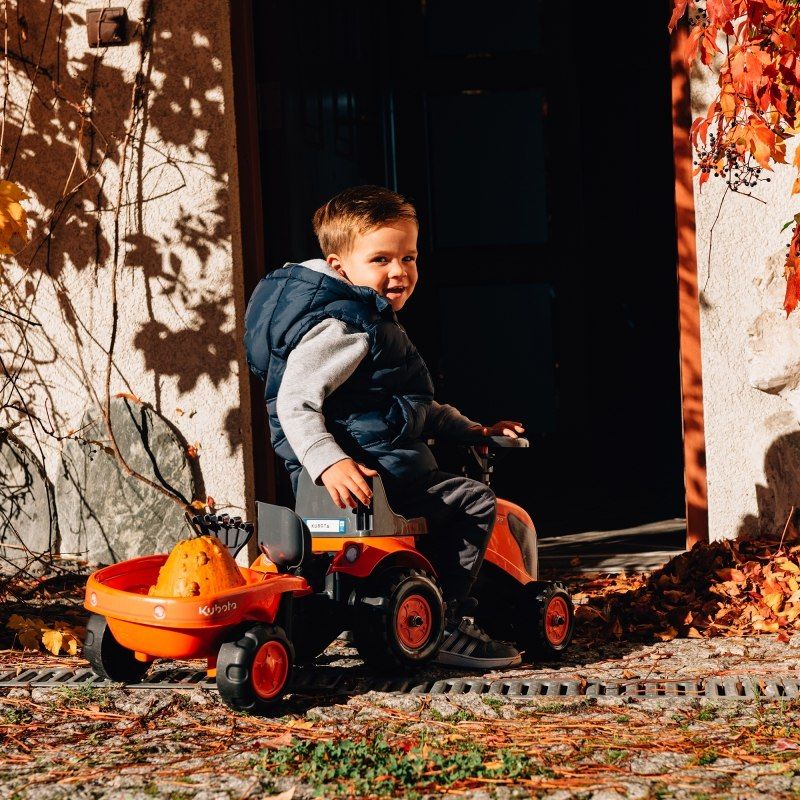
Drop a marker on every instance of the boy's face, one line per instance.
(384, 259)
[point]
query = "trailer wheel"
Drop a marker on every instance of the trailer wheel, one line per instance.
(551, 621)
(253, 672)
(109, 659)
(399, 620)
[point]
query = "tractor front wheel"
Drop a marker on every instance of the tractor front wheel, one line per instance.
(109, 659)
(253, 671)
(399, 620)
(551, 621)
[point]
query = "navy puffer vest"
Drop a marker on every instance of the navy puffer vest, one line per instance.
(378, 414)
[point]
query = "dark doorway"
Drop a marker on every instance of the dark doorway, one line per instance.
(539, 156)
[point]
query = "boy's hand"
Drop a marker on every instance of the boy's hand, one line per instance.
(345, 483)
(505, 427)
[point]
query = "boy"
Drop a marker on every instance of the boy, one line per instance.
(349, 396)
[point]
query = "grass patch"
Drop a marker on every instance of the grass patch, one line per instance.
(615, 756)
(707, 714)
(83, 696)
(535, 707)
(16, 716)
(462, 715)
(495, 703)
(709, 757)
(346, 767)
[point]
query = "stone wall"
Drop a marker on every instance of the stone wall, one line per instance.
(137, 187)
(749, 349)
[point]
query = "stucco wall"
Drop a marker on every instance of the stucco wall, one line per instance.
(179, 279)
(752, 448)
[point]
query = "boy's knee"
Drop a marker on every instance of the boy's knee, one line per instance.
(484, 501)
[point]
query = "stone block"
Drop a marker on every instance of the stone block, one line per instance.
(28, 519)
(108, 516)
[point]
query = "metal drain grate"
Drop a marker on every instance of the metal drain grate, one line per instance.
(331, 680)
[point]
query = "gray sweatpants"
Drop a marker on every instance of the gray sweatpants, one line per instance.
(460, 514)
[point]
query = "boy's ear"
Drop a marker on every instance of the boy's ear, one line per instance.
(335, 262)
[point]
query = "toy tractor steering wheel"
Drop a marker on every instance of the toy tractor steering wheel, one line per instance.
(484, 449)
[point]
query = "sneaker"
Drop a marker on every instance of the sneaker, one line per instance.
(466, 645)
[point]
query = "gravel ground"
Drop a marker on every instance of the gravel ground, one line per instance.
(133, 743)
(130, 744)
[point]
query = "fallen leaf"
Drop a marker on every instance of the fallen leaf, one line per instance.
(666, 635)
(287, 795)
(29, 638)
(16, 622)
(52, 641)
(786, 744)
(283, 740)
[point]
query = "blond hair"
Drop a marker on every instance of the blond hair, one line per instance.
(356, 211)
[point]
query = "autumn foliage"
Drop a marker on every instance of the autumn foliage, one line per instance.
(757, 109)
(726, 588)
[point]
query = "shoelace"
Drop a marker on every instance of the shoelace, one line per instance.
(471, 629)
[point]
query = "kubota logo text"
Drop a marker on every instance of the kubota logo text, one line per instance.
(217, 608)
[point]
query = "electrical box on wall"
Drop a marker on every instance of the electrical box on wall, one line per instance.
(107, 26)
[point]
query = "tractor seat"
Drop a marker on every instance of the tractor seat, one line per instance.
(283, 537)
(324, 518)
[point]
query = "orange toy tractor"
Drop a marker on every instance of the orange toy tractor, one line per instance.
(322, 570)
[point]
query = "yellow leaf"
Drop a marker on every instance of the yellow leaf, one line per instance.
(774, 600)
(767, 627)
(52, 641)
(70, 644)
(13, 218)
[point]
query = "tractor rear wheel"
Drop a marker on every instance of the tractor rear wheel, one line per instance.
(109, 659)
(254, 670)
(551, 622)
(399, 620)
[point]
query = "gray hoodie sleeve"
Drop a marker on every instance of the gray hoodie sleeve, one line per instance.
(321, 362)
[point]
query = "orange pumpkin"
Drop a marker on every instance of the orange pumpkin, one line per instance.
(197, 567)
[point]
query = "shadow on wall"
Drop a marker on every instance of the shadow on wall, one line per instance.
(74, 119)
(775, 500)
(64, 127)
